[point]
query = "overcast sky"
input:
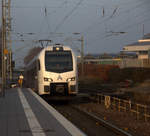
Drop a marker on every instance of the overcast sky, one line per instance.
(99, 21)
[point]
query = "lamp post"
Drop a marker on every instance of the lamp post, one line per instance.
(82, 53)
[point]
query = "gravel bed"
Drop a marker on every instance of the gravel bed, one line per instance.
(83, 122)
(121, 119)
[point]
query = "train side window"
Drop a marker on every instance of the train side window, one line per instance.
(39, 67)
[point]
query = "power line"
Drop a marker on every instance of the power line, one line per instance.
(62, 4)
(94, 24)
(21, 40)
(57, 7)
(45, 15)
(122, 24)
(135, 17)
(46, 18)
(32, 7)
(133, 25)
(126, 28)
(115, 10)
(67, 16)
(129, 26)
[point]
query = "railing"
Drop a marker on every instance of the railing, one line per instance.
(141, 112)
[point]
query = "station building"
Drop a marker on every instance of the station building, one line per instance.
(141, 48)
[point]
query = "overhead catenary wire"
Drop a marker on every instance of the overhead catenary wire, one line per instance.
(60, 6)
(67, 16)
(44, 13)
(135, 17)
(115, 10)
(47, 16)
(96, 23)
(110, 35)
(122, 29)
(18, 50)
(133, 24)
(72, 4)
(136, 6)
(125, 28)
(50, 33)
(64, 2)
(105, 15)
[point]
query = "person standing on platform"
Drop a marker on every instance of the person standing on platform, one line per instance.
(20, 81)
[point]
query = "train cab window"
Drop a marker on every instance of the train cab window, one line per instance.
(58, 61)
(39, 67)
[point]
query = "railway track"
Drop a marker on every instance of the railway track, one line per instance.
(104, 92)
(88, 122)
(104, 123)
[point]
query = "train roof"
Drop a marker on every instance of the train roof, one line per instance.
(50, 47)
(55, 46)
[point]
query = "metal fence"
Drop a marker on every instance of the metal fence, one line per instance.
(144, 63)
(139, 111)
(122, 63)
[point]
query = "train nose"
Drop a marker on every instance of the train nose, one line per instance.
(60, 88)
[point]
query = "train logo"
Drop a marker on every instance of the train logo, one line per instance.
(59, 78)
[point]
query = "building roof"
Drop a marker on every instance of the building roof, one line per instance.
(146, 36)
(139, 44)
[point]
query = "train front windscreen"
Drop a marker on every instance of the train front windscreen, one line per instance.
(58, 61)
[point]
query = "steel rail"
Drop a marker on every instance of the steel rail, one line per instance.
(106, 124)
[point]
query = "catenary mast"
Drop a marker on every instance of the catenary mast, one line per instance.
(6, 43)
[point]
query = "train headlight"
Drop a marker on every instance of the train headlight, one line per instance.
(47, 79)
(57, 48)
(71, 79)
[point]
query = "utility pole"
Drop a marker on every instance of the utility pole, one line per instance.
(82, 56)
(82, 53)
(8, 38)
(6, 44)
(3, 55)
(143, 31)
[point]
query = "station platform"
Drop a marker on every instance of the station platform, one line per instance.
(24, 113)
